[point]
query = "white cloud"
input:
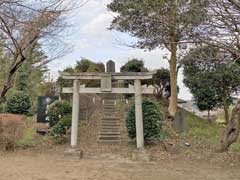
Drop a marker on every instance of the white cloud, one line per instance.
(98, 26)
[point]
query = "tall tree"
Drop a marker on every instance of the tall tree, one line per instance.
(23, 24)
(134, 65)
(160, 24)
(84, 65)
(161, 81)
(31, 75)
(222, 30)
(211, 78)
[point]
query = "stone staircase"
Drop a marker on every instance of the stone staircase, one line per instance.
(110, 123)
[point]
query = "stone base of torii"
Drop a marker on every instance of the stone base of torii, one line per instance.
(106, 87)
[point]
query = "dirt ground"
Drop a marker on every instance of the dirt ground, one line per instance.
(50, 165)
(106, 162)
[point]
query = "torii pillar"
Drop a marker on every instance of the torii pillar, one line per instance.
(75, 113)
(139, 114)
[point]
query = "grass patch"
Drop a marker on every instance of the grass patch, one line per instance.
(27, 138)
(235, 147)
(201, 130)
(29, 119)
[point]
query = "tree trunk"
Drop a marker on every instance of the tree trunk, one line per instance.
(172, 109)
(231, 133)
(7, 85)
(226, 113)
(209, 120)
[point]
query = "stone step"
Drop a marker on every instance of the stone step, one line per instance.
(109, 103)
(103, 131)
(110, 115)
(113, 121)
(111, 111)
(109, 141)
(109, 128)
(109, 133)
(105, 108)
(110, 125)
(110, 119)
(109, 106)
(109, 137)
(110, 122)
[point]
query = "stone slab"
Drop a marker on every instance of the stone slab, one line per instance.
(141, 155)
(73, 154)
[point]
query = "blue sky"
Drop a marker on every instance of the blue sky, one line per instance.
(90, 38)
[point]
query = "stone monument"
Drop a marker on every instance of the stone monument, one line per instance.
(179, 122)
(111, 66)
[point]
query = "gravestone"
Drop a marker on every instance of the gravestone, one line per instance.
(111, 66)
(179, 122)
(43, 103)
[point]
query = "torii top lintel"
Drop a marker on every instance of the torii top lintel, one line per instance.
(114, 76)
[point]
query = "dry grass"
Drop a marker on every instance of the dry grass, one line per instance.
(11, 130)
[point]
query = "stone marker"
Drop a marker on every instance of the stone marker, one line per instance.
(111, 66)
(141, 155)
(43, 103)
(179, 122)
(73, 154)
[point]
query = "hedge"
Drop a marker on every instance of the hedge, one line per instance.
(152, 121)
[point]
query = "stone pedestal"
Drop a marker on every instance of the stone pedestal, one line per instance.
(73, 154)
(140, 155)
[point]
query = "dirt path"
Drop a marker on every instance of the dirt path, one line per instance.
(50, 166)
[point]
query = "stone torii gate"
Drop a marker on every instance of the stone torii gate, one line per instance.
(106, 87)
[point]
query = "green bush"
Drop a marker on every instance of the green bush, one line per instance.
(57, 110)
(62, 126)
(152, 121)
(18, 103)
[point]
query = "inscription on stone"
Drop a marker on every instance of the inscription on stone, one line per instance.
(106, 83)
(43, 103)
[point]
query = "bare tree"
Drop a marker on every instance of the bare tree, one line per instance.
(23, 25)
(222, 29)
